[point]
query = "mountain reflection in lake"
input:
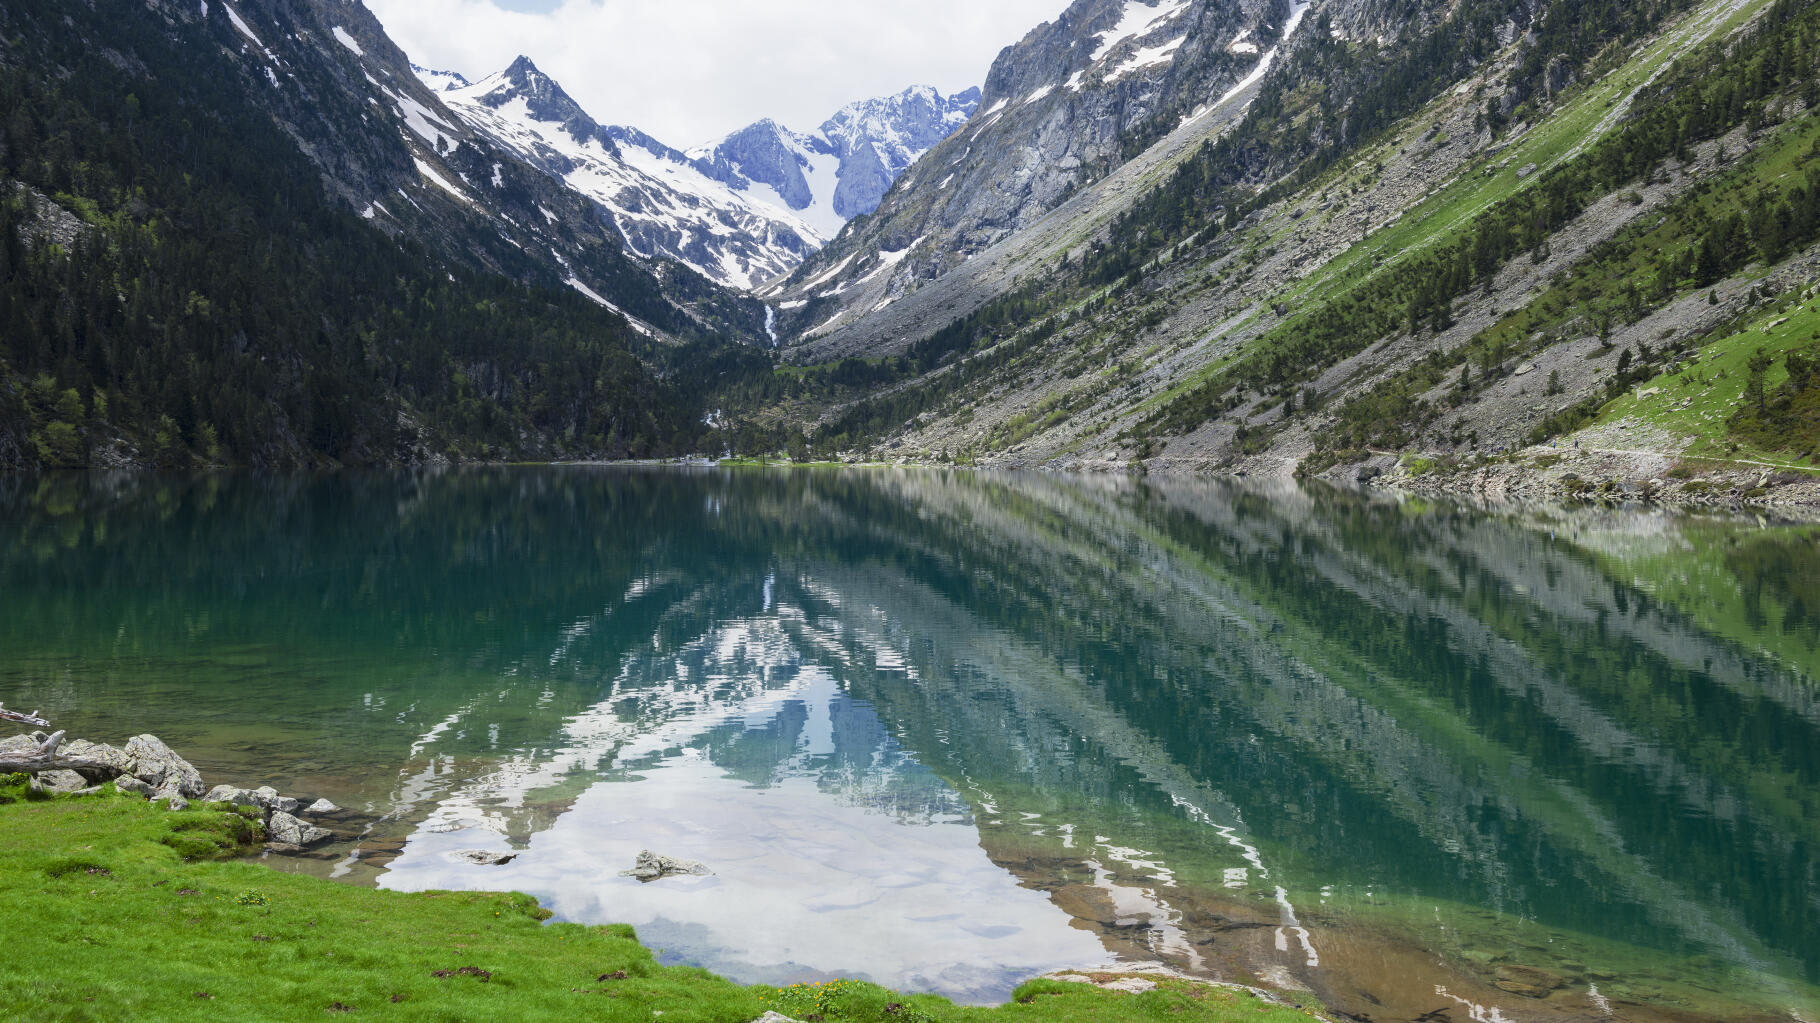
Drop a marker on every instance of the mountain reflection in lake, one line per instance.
(949, 730)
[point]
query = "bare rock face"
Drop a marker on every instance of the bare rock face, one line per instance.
(154, 763)
(1059, 110)
(652, 867)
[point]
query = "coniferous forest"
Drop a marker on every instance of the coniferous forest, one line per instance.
(215, 306)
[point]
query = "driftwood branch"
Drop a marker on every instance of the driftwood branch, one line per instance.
(45, 758)
(23, 719)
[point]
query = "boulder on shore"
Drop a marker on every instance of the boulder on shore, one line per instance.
(154, 763)
(133, 785)
(265, 798)
(115, 763)
(284, 829)
(651, 867)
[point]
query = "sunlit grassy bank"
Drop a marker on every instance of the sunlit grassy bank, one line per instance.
(115, 909)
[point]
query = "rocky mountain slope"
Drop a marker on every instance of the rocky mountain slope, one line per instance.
(1064, 107)
(360, 112)
(1422, 254)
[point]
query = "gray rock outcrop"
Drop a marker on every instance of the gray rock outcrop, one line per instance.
(133, 786)
(156, 764)
(482, 857)
(284, 829)
(651, 867)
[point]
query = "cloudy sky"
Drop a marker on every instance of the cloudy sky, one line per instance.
(688, 71)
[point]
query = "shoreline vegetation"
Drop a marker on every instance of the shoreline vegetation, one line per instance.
(146, 911)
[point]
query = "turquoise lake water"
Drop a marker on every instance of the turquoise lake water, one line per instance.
(948, 730)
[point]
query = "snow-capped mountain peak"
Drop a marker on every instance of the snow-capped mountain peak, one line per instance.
(844, 169)
(662, 206)
(743, 210)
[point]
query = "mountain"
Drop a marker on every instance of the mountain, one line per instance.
(742, 211)
(245, 233)
(661, 205)
(1500, 244)
(1061, 108)
(843, 170)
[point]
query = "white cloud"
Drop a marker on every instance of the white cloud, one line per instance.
(691, 70)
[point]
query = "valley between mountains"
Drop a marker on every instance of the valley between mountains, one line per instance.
(1505, 247)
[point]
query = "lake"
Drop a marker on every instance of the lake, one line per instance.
(948, 730)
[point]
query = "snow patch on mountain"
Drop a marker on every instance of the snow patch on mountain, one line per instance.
(1138, 19)
(844, 169)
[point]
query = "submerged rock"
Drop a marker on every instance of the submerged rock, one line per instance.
(651, 867)
(1527, 981)
(285, 829)
(482, 857)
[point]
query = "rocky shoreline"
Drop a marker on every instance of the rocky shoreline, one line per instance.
(146, 766)
(1605, 476)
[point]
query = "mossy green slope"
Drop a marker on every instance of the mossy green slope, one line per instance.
(109, 921)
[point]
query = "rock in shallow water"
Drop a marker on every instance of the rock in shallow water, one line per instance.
(287, 830)
(1527, 981)
(321, 808)
(482, 858)
(651, 867)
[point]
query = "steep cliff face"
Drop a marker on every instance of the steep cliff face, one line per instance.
(1062, 108)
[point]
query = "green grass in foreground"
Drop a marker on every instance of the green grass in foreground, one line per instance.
(106, 920)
